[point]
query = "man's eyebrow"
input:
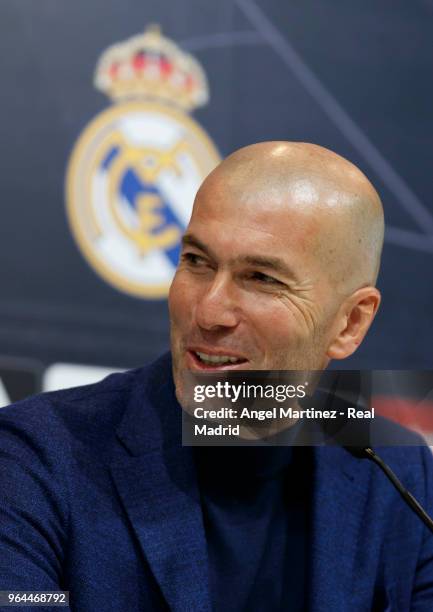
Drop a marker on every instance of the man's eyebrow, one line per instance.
(190, 240)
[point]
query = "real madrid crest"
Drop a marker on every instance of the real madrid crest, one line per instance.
(136, 167)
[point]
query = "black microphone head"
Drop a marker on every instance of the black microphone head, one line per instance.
(360, 452)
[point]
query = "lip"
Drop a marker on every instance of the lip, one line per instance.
(194, 363)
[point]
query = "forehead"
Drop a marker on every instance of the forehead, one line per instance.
(240, 220)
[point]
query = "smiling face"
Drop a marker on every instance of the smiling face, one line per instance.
(252, 290)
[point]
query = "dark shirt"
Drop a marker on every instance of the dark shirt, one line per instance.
(255, 503)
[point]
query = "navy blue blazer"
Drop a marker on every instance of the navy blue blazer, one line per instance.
(98, 497)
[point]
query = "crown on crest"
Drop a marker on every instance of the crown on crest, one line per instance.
(151, 66)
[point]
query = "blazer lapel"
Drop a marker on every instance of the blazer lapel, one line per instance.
(340, 495)
(157, 483)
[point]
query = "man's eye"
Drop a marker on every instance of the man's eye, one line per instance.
(265, 278)
(192, 259)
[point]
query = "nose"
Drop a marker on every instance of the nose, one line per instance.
(217, 307)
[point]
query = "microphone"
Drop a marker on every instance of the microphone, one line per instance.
(368, 453)
(344, 433)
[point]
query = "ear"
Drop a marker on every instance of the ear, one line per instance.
(355, 317)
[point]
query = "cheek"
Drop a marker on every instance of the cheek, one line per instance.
(280, 321)
(284, 328)
(272, 320)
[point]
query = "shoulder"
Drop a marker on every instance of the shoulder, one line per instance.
(405, 451)
(88, 414)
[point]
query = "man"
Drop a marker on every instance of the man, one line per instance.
(98, 496)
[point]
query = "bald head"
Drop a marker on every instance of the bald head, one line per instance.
(278, 263)
(342, 211)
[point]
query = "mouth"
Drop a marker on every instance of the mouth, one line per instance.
(216, 361)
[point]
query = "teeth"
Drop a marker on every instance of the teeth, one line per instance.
(217, 358)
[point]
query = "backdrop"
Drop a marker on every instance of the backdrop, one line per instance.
(106, 132)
